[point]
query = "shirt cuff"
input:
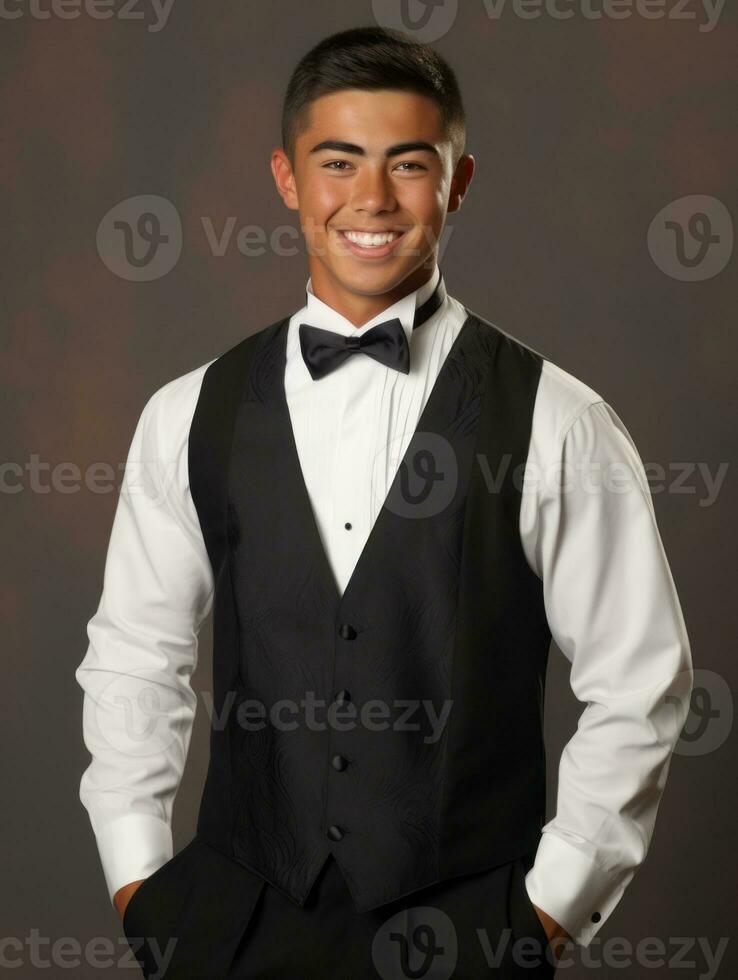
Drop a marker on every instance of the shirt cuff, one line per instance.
(133, 847)
(572, 889)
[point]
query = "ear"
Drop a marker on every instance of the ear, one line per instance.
(284, 178)
(460, 181)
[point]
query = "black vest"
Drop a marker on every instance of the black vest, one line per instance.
(442, 610)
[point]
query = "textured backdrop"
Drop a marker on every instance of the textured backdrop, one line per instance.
(598, 230)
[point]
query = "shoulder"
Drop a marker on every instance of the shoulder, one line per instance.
(166, 417)
(179, 391)
(573, 423)
(560, 397)
(567, 411)
(174, 402)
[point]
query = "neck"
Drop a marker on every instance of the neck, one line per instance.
(360, 308)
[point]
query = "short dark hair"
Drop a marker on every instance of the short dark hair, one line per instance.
(372, 58)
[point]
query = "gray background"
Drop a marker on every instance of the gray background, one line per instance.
(582, 129)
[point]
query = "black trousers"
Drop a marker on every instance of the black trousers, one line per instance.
(203, 916)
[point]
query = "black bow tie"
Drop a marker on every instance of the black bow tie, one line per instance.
(325, 350)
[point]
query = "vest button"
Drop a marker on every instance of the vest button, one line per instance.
(339, 762)
(335, 833)
(343, 696)
(346, 631)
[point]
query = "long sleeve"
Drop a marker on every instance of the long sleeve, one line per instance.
(138, 706)
(614, 613)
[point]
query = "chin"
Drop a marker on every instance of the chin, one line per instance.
(371, 282)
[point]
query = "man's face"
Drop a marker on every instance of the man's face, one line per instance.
(372, 161)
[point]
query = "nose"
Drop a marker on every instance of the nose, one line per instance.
(372, 191)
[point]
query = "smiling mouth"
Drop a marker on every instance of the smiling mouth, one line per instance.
(370, 239)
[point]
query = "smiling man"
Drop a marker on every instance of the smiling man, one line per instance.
(343, 488)
(374, 172)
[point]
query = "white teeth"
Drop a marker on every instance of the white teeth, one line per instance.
(369, 240)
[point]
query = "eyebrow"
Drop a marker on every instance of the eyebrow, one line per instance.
(393, 151)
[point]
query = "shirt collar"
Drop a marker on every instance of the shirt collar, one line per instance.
(319, 314)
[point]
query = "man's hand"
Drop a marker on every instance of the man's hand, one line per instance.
(123, 896)
(557, 935)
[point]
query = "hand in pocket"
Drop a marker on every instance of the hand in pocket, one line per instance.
(123, 896)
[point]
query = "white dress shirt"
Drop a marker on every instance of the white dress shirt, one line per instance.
(591, 538)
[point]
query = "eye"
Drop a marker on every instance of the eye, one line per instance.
(330, 164)
(410, 163)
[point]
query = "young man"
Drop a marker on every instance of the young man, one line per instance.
(344, 488)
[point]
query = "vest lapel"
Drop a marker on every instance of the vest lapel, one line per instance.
(431, 434)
